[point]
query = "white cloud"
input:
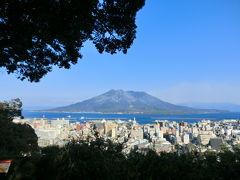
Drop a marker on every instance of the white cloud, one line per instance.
(200, 92)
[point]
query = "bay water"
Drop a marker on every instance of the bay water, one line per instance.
(140, 118)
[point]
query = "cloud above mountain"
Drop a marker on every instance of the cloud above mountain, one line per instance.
(200, 92)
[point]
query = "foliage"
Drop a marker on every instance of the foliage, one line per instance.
(37, 35)
(76, 160)
(10, 109)
(16, 139)
(103, 160)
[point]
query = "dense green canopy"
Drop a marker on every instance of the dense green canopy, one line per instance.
(104, 160)
(35, 35)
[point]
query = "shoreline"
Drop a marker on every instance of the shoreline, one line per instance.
(137, 113)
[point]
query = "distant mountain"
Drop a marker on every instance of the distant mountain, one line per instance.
(221, 106)
(119, 101)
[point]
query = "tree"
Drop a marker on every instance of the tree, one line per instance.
(100, 159)
(37, 35)
(10, 109)
(76, 160)
(16, 139)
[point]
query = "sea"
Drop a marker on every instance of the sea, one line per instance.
(140, 118)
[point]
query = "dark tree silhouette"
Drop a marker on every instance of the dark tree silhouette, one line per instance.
(36, 35)
(104, 160)
(16, 139)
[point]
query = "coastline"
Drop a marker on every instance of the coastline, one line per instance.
(140, 113)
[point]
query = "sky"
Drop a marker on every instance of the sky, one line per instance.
(185, 51)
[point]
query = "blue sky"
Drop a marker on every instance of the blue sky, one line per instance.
(185, 51)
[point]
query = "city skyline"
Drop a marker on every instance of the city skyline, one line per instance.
(184, 52)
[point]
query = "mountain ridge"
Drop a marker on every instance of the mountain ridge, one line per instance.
(120, 101)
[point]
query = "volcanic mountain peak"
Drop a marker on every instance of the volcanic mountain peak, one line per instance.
(120, 101)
